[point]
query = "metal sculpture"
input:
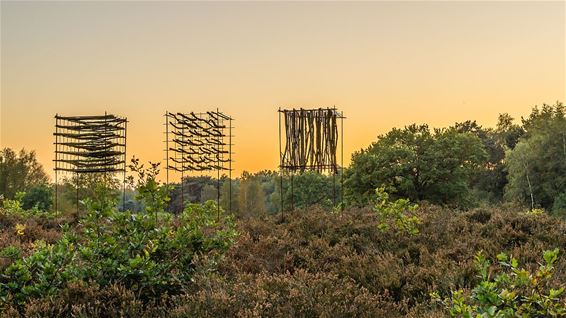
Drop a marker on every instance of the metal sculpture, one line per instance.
(199, 142)
(89, 145)
(310, 143)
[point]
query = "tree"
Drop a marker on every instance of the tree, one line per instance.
(490, 179)
(19, 172)
(251, 199)
(418, 164)
(40, 196)
(229, 198)
(508, 132)
(310, 188)
(537, 164)
(208, 192)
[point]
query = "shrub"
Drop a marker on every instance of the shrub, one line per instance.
(147, 255)
(395, 214)
(511, 292)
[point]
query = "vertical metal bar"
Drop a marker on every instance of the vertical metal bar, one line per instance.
(167, 147)
(334, 172)
(125, 158)
(56, 163)
(104, 143)
(230, 166)
(218, 166)
(342, 160)
(280, 165)
(77, 195)
(182, 167)
(78, 179)
(292, 192)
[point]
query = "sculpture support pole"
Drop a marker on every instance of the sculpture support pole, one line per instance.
(342, 161)
(230, 167)
(218, 168)
(56, 162)
(280, 167)
(124, 173)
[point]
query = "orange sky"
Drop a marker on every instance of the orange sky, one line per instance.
(385, 64)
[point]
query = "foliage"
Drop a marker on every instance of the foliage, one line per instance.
(251, 198)
(508, 132)
(512, 291)
(19, 172)
(149, 256)
(559, 206)
(40, 197)
(154, 197)
(311, 188)
(537, 164)
(193, 188)
(229, 197)
(16, 207)
(395, 214)
(313, 263)
(490, 178)
(418, 164)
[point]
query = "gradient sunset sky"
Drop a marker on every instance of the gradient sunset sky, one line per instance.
(385, 64)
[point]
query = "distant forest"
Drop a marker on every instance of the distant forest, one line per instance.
(461, 166)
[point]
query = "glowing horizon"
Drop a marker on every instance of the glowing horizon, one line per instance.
(384, 64)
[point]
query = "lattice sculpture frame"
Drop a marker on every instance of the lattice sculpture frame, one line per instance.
(310, 143)
(90, 145)
(199, 142)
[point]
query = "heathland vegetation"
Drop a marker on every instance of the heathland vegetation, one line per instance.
(462, 221)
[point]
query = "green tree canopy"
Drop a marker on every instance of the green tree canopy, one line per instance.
(19, 172)
(489, 181)
(40, 196)
(418, 164)
(537, 164)
(251, 199)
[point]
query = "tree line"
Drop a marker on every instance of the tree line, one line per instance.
(461, 166)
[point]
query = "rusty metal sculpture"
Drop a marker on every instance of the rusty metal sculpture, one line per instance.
(310, 143)
(199, 142)
(89, 145)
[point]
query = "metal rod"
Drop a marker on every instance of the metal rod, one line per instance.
(167, 147)
(218, 170)
(56, 161)
(342, 161)
(124, 173)
(78, 195)
(292, 192)
(182, 173)
(334, 189)
(280, 167)
(230, 166)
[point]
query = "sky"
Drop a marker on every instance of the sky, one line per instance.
(384, 64)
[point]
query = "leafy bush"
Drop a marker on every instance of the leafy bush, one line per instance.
(511, 292)
(312, 263)
(147, 255)
(395, 214)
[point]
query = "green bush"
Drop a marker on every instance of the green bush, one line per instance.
(312, 263)
(150, 254)
(396, 214)
(510, 291)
